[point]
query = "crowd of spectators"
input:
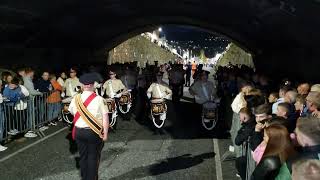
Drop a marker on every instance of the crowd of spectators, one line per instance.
(276, 121)
(16, 88)
(276, 125)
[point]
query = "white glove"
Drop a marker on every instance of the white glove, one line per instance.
(112, 95)
(149, 95)
(167, 96)
(97, 85)
(63, 94)
(118, 95)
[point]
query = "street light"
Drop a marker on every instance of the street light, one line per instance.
(160, 29)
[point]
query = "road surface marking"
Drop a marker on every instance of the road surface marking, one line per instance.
(30, 145)
(217, 159)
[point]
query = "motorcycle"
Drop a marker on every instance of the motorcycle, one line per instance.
(210, 114)
(158, 112)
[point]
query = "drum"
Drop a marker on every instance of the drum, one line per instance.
(158, 106)
(66, 115)
(209, 110)
(111, 104)
(125, 99)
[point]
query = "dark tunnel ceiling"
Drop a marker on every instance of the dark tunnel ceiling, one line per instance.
(264, 27)
(73, 23)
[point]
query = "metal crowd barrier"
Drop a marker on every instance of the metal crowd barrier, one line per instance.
(251, 164)
(28, 114)
(45, 111)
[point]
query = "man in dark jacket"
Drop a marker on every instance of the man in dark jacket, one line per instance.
(247, 129)
(262, 114)
(307, 134)
(43, 84)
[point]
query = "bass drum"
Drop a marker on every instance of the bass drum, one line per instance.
(158, 106)
(125, 103)
(112, 109)
(125, 99)
(111, 104)
(209, 115)
(158, 112)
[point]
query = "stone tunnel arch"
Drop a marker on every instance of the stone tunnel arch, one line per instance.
(281, 34)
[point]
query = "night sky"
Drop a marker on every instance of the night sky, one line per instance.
(195, 38)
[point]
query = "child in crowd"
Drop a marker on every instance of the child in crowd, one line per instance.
(273, 97)
(301, 106)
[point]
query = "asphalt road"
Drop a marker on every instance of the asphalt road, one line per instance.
(183, 150)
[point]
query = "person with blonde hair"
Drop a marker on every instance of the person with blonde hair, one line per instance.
(307, 135)
(313, 103)
(315, 87)
(306, 170)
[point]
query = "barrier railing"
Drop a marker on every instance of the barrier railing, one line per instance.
(27, 114)
(251, 164)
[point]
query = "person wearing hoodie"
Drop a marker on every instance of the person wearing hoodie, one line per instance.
(247, 129)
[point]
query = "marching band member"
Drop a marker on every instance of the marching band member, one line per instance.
(113, 85)
(91, 125)
(202, 89)
(71, 84)
(159, 90)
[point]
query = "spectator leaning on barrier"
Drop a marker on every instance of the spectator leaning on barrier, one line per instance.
(14, 94)
(247, 128)
(27, 80)
(54, 99)
(43, 84)
(21, 108)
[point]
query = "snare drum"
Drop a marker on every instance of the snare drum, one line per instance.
(66, 102)
(209, 110)
(66, 115)
(111, 104)
(125, 99)
(158, 106)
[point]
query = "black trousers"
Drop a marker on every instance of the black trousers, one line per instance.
(89, 146)
(187, 83)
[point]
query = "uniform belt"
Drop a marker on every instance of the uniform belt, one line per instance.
(83, 127)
